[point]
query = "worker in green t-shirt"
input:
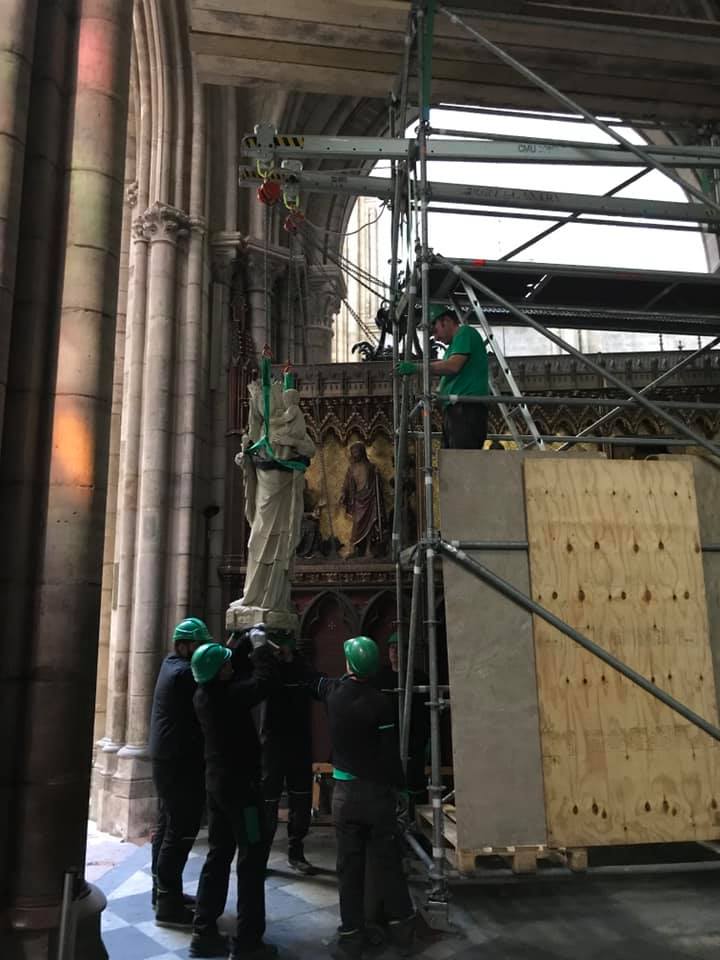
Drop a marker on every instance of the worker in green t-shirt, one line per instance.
(464, 369)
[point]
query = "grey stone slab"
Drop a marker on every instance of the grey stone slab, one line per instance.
(493, 689)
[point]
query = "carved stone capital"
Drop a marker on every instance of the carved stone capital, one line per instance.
(254, 260)
(166, 223)
(137, 230)
(225, 249)
(198, 225)
(326, 286)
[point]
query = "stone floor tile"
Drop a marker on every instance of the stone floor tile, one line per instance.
(318, 891)
(111, 921)
(135, 909)
(281, 906)
(130, 944)
(171, 940)
(139, 882)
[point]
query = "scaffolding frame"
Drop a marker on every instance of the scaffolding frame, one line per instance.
(411, 195)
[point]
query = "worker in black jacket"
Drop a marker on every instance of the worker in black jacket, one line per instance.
(368, 778)
(388, 681)
(224, 703)
(176, 751)
(284, 725)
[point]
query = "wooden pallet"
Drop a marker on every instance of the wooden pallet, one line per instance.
(521, 859)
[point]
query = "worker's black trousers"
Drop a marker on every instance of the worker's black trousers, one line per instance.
(368, 854)
(235, 821)
(287, 762)
(181, 800)
(464, 426)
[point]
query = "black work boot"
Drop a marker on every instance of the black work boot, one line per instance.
(297, 861)
(188, 900)
(209, 945)
(348, 945)
(402, 935)
(172, 912)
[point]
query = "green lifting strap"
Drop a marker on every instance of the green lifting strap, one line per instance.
(263, 444)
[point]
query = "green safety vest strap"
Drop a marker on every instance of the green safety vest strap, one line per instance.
(341, 775)
(264, 442)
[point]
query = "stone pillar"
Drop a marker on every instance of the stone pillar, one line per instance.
(189, 380)
(128, 482)
(326, 288)
(108, 578)
(17, 38)
(263, 328)
(50, 826)
(225, 272)
(109, 812)
(163, 226)
(256, 299)
(24, 443)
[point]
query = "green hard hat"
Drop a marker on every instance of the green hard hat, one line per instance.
(392, 640)
(362, 656)
(207, 660)
(438, 310)
(191, 630)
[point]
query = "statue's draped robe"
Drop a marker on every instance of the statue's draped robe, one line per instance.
(274, 501)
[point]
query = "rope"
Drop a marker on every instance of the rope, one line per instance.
(350, 233)
(363, 327)
(289, 306)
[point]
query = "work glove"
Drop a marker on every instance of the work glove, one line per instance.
(406, 368)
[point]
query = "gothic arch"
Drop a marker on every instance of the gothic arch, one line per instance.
(378, 618)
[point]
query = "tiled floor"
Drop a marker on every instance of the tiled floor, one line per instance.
(302, 913)
(628, 918)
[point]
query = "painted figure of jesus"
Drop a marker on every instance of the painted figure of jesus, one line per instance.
(362, 498)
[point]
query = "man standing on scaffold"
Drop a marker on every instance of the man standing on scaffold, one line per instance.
(464, 371)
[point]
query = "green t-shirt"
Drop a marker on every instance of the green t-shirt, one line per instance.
(472, 379)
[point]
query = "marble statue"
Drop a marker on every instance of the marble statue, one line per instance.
(273, 505)
(362, 498)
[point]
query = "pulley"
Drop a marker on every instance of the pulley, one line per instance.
(270, 192)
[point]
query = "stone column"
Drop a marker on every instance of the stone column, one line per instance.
(128, 483)
(50, 827)
(225, 273)
(23, 451)
(108, 578)
(326, 288)
(263, 328)
(189, 379)
(17, 38)
(163, 226)
(256, 300)
(109, 811)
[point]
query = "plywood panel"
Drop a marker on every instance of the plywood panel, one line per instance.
(614, 551)
(707, 491)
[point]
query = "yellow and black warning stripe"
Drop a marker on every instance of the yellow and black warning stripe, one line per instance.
(280, 141)
(290, 141)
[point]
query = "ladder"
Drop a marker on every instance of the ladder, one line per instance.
(521, 407)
